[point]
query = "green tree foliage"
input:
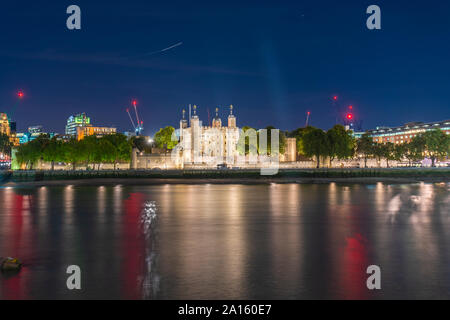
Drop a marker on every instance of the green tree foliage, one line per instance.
(378, 152)
(298, 135)
(341, 143)
(364, 147)
(248, 141)
(91, 150)
(53, 152)
(434, 143)
(33, 151)
(437, 144)
(387, 151)
(281, 142)
(163, 138)
(120, 149)
(414, 150)
(74, 152)
(141, 143)
(315, 143)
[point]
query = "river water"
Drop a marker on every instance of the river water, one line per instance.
(278, 241)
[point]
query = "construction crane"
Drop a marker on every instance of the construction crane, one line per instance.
(307, 118)
(20, 96)
(139, 126)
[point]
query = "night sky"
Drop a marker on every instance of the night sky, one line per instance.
(273, 60)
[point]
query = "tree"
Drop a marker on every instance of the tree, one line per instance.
(437, 144)
(388, 152)
(52, 152)
(23, 154)
(378, 152)
(414, 149)
(75, 152)
(298, 135)
(315, 143)
(340, 142)
(121, 148)
(31, 152)
(281, 141)
(399, 151)
(364, 147)
(90, 145)
(248, 141)
(105, 152)
(141, 143)
(163, 138)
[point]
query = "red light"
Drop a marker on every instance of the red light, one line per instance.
(308, 113)
(350, 107)
(20, 94)
(349, 116)
(128, 110)
(134, 102)
(335, 98)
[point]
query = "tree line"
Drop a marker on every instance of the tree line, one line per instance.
(338, 143)
(90, 151)
(312, 143)
(335, 143)
(434, 144)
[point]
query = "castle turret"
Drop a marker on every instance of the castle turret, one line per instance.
(194, 118)
(195, 136)
(217, 122)
(183, 121)
(231, 118)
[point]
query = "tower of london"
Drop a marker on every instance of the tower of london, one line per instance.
(215, 144)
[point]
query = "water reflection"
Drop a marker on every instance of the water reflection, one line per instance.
(227, 241)
(150, 277)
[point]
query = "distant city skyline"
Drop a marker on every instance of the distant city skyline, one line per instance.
(273, 61)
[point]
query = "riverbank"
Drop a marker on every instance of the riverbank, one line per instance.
(394, 175)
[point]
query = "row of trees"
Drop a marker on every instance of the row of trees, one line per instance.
(434, 144)
(249, 141)
(91, 150)
(336, 143)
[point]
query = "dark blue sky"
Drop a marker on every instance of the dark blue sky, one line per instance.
(273, 60)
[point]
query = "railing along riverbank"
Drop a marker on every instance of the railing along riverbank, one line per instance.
(44, 175)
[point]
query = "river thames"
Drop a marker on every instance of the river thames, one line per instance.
(227, 241)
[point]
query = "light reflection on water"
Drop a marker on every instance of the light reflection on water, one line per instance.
(282, 241)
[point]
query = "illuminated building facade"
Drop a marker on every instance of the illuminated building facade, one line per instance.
(406, 133)
(4, 124)
(79, 120)
(32, 133)
(210, 143)
(86, 131)
(9, 128)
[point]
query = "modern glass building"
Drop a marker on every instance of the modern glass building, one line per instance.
(78, 120)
